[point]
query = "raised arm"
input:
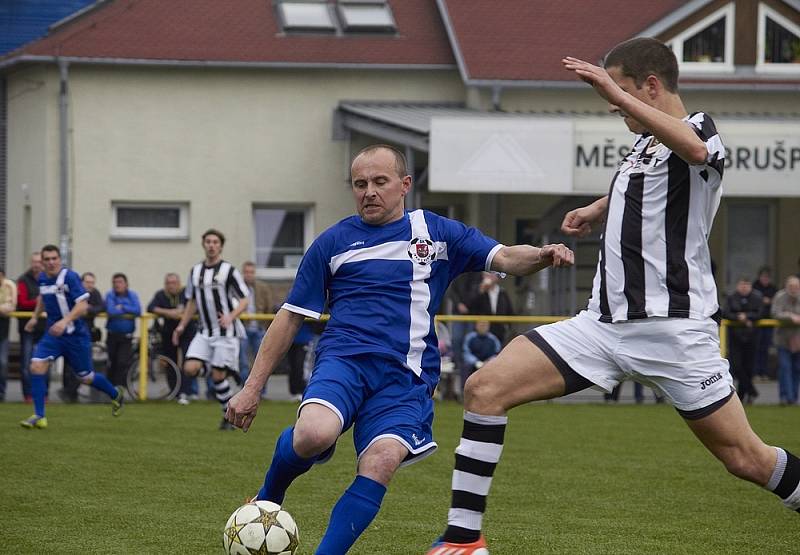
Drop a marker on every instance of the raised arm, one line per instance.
(522, 260)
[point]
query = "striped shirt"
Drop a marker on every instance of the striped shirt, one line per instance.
(654, 258)
(216, 290)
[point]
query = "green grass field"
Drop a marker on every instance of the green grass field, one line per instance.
(573, 479)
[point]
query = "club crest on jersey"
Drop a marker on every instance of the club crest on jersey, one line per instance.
(421, 251)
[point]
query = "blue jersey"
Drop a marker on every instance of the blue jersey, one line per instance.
(383, 285)
(59, 295)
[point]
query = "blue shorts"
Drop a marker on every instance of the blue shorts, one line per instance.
(76, 350)
(379, 397)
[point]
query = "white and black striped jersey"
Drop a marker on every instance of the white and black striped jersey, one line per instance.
(217, 290)
(654, 258)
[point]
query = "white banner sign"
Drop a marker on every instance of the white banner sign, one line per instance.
(579, 156)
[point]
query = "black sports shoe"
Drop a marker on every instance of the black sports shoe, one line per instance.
(225, 425)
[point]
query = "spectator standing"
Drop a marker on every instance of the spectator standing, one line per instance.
(743, 306)
(296, 357)
(121, 304)
(480, 346)
(8, 302)
(463, 288)
(69, 379)
(259, 301)
(786, 307)
(168, 304)
(763, 284)
(27, 293)
(493, 300)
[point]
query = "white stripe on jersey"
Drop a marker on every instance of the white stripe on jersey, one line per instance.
(654, 259)
(420, 298)
(392, 250)
(61, 297)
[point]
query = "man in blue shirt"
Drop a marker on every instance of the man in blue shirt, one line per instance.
(121, 305)
(383, 272)
(63, 297)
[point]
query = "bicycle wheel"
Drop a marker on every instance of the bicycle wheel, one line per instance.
(163, 378)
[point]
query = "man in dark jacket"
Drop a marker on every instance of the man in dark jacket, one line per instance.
(27, 293)
(743, 306)
(492, 300)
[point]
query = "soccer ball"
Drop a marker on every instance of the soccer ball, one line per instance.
(260, 528)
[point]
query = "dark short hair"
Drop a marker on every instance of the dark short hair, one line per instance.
(216, 232)
(643, 56)
(119, 275)
(400, 164)
(743, 278)
(51, 248)
(84, 275)
(247, 263)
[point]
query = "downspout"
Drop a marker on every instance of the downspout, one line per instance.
(63, 170)
(497, 91)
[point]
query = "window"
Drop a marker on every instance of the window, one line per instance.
(366, 16)
(282, 235)
(149, 220)
(778, 42)
(708, 44)
(306, 16)
(750, 237)
(339, 17)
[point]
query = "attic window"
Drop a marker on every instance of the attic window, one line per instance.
(708, 44)
(306, 16)
(366, 16)
(778, 42)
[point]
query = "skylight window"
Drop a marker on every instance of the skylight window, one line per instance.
(306, 16)
(366, 16)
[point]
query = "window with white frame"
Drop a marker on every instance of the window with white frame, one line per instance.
(306, 16)
(145, 220)
(365, 15)
(336, 16)
(708, 44)
(281, 236)
(778, 47)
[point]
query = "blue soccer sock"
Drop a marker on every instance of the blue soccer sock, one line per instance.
(286, 466)
(351, 515)
(99, 381)
(38, 391)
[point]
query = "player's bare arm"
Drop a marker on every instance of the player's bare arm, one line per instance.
(522, 260)
(579, 222)
(188, 313)
(243, 406)
(226, 320)
(80, 308)
(667, 128)
(31, 324)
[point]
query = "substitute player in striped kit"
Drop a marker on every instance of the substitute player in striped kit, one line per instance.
(383, 273)
(217, 293)
(650, 317)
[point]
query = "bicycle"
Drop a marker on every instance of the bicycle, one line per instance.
(163, 374)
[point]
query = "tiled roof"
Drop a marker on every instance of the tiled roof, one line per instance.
(526, 39)
(239, 31)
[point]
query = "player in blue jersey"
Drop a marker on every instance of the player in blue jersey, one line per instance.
(383, 273)
(63, 298)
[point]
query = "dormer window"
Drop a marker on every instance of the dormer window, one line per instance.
(708, 44)
(778, 42)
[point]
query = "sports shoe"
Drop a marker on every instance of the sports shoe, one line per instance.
(34, 421)
(183, 399)
(225, 425)
(478, 547)
(116, 404)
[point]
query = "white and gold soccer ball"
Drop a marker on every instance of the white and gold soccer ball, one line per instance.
(260, 528)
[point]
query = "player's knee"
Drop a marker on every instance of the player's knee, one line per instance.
(192, 367)
(39, 366)
(748, 465)
(310, 439)
(86, 378)
(480, 393)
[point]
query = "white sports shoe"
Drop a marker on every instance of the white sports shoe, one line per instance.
(183, 399)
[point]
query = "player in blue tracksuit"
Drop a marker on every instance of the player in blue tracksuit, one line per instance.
(62, 296)
(383, 273)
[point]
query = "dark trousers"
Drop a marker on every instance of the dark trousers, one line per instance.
(742, 356)
(763, 343)
(296, 356)
(119, 356)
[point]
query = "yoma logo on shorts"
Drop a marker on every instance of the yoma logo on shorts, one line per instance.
(715, 378)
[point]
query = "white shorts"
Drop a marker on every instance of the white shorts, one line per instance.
(678, 357)
(220, 352)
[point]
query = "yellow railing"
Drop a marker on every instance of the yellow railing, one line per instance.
(147, 317)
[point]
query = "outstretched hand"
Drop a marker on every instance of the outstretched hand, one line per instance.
(242, 408)
(556, 255)
(597, 77)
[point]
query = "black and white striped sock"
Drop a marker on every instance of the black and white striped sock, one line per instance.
(222, 392)
(785, 480)
(477, 456)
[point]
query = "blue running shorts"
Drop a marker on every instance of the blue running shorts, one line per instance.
(379, 397)
(76, 350)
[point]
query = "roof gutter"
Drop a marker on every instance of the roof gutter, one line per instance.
(28, 58)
